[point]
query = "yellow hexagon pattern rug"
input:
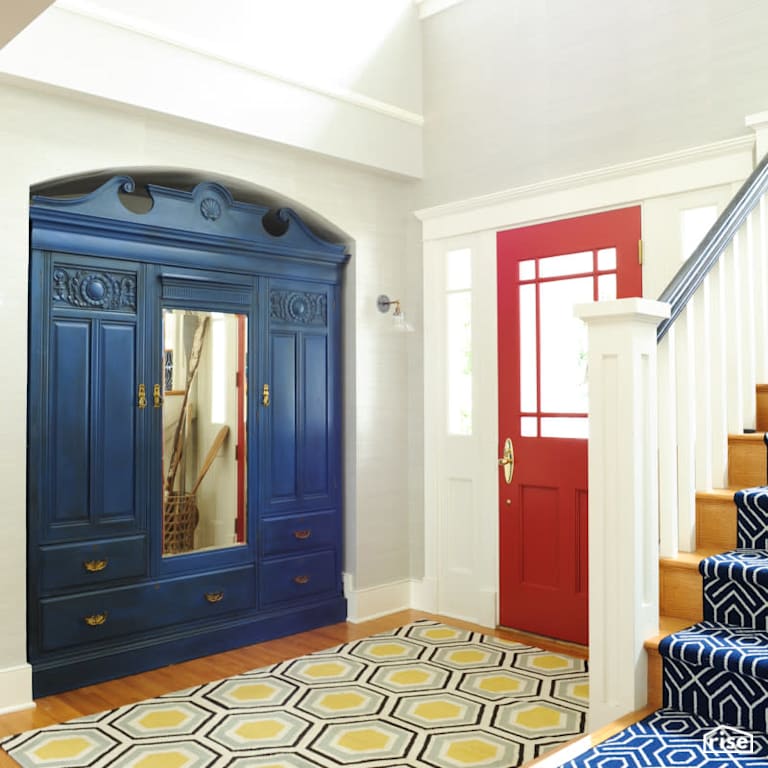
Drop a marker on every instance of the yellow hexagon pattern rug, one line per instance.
(422, 696)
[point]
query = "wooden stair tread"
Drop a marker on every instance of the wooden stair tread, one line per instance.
(689, 560)
(667, 626)
(746, 437)
(725, 494)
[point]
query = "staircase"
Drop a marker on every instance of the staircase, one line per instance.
(717, 582)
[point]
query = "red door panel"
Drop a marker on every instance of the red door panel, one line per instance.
(542, 271)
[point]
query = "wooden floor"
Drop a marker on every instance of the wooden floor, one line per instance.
(115, 693)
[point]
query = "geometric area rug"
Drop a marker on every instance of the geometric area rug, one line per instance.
(425, 695)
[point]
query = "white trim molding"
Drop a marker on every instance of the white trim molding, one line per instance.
(429, 8)
(16, 689)
(695, 167)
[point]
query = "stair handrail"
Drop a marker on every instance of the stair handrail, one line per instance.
(690, 276)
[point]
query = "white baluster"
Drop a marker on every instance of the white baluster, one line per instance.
(668, 543)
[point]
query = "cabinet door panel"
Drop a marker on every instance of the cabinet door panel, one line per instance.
(69, 425)
(316, 423)
(284, 422)
(114, 460)
(302, 443)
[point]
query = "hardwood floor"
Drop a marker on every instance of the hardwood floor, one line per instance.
(115, 693)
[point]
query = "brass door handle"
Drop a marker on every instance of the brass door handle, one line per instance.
(507, 461)
(265, 395)
(142, 396)
(156, 398)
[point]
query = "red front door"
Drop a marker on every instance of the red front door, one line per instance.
(543, 270)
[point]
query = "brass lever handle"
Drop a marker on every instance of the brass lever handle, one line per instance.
(507, 461)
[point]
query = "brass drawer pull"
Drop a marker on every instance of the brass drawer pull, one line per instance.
(301, 579)
(304, 534)
(96, 620)
(214, 597)
(94, 566)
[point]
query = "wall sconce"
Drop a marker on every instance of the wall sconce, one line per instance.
(384, 303)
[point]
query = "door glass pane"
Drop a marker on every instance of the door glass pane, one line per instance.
(568, 264)
(204, 430)
(606, 259)
(528, 426)
(527, 269)
(606, 287)
(552, 426)
(528, 400)
(563, 353)
(458, 270)
(459, 362)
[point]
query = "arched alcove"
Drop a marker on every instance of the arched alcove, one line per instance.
(185, 332)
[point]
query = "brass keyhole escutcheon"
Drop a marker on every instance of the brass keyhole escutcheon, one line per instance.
(507, 461)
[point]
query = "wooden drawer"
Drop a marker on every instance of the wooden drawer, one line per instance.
(92, 562)
(292, 578)
(95, 616)
(298, 533)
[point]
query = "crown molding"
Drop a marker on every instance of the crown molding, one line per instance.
(89, 11)
(429, 8)
(608, 173)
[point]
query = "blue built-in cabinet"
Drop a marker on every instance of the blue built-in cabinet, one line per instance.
(184, 430)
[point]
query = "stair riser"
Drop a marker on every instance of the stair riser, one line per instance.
(719, 695)
(715, 523)
(736, 603)
(680, 593)
(746, 463)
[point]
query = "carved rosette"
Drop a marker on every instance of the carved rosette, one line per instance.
(94, 290)
(299, 307)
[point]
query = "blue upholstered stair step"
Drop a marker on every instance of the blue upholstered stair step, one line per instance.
(752, 518)
(736, 588)
(718, 671)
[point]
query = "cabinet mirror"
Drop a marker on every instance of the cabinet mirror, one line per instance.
(204, 430)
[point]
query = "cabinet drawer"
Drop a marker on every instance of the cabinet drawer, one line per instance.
(292, 578)
(92, 562)
(298, 533)
(95, 616)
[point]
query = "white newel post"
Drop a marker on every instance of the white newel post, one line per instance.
(623, 501)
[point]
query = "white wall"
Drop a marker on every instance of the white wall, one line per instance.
(520, 92)
(341, 77)
(47, 135)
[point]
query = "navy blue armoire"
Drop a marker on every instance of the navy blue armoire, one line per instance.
(184, 456)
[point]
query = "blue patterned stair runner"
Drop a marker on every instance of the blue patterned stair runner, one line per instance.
(752, 518)
(736, 588)
(667, 739)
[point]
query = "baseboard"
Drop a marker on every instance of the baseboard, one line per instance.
(16, 689)
(419, 594)
(372, 602)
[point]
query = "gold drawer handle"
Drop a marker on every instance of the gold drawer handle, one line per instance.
(96, 620)
(94, 566)
(214, 597)
(301, 579)
(301, 535)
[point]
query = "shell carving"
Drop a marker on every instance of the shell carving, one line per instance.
(210, 209)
